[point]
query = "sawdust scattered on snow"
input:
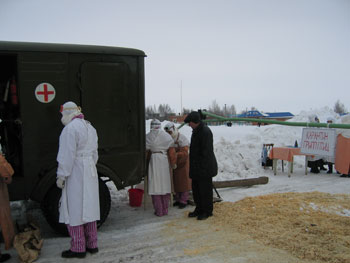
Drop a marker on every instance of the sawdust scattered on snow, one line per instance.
(312, 226)
(284, 227)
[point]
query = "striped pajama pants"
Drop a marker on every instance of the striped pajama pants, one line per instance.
(161, 204)
(83, 236)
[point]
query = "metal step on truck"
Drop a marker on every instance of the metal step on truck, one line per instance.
(108, 84)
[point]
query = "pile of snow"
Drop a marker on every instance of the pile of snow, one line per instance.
(238, 148)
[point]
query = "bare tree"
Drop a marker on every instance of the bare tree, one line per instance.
(215, 108)
(150, 111)
(231, 110)
(164, 110)
(339, 107)
(186, 111)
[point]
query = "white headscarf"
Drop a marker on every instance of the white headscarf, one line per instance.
(69, 110)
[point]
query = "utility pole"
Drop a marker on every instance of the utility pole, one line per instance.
(181, 98)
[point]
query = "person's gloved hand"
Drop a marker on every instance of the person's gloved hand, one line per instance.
(60, 182)
(174, 166)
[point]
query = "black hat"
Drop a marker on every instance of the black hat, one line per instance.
(194, 116)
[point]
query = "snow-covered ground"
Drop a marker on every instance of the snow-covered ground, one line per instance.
(136, 235)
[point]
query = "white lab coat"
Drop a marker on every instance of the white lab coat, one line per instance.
(181, 141)
(77, 158)
(159, 181)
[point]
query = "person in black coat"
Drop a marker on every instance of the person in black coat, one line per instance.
(203, 166)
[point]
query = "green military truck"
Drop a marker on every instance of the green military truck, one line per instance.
(107, 82)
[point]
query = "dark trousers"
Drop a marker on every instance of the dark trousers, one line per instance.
(202, 190)
(330, 168)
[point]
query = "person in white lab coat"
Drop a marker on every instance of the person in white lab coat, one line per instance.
(159, 180)
(78, 179)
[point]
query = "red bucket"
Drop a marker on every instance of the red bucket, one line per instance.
(135, 196)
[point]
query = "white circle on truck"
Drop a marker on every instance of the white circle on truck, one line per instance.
(45, 92)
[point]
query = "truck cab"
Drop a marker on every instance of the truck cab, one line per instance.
(108, 84)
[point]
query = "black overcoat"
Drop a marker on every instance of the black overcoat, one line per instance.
(202, 158)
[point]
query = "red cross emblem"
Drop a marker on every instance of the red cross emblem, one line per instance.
(45, 92)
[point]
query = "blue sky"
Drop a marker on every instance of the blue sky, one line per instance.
(275, 55)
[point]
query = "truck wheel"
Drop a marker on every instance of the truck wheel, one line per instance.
(105, 201)
(51, 202)
(50, 210)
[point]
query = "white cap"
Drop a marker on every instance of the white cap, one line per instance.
(69, 108)
(170, 127)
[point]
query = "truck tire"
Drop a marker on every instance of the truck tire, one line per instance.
(105, 201)
(51, 202)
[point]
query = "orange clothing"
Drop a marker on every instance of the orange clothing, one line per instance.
(181, 180)
(6, 223)
(342, 154)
